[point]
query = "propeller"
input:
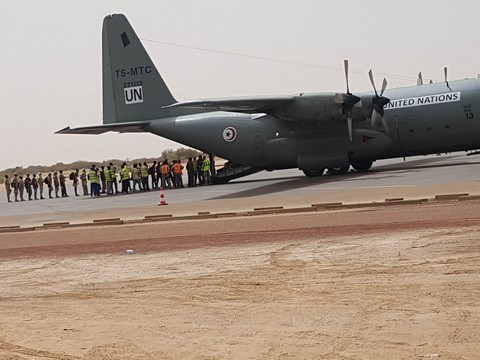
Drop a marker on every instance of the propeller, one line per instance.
(420, 79)
(348, 101)
(379, 101)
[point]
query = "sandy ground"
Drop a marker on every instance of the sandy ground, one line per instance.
(386, 283)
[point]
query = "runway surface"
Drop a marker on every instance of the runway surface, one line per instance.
(417, 177)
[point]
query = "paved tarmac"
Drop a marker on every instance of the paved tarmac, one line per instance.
(418, 177)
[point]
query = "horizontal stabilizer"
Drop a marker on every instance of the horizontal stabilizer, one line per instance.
(129, 127)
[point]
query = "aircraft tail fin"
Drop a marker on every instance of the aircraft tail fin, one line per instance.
(133, 89)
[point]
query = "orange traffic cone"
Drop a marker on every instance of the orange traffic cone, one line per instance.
(162, 198)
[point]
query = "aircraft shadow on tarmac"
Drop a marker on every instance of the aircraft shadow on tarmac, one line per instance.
(301, 181)
(292, 183)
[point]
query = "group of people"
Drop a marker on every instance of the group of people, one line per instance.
(106, 179)
(32, 186)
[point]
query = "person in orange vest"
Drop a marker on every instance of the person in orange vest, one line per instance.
(166, 181)
(177, 169)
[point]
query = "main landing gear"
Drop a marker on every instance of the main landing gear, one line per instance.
(358, 165)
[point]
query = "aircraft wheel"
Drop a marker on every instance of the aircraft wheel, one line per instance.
(362, 165)
(338, 170)
(313, 172)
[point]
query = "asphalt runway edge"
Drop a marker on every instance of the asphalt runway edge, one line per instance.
(256, 212)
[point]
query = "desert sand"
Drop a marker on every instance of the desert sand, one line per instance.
(381, 283)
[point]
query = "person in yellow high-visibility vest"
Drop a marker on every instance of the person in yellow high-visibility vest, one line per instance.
(94, 181)
(144, 174)
(206, 169)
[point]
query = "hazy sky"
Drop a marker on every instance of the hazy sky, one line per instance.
(50, 62)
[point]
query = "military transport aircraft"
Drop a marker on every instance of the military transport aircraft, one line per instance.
(312, 132)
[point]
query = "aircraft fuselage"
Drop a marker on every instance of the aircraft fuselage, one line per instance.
(420, 119)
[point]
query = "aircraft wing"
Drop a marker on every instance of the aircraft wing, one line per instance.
(248, 105)
(127, 127)
(316, 107)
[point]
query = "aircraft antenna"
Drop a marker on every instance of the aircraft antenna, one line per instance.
(420, 79)
(445, 71)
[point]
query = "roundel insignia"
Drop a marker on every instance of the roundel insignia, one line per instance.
(229, 134)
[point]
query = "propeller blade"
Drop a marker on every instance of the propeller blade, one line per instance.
(350, 127)
(374, 117)
(379, 101)
(384, 86)
(384, 122)
(345, 65)
(370, 74)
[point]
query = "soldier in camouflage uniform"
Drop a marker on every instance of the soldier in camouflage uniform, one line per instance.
(8, 187)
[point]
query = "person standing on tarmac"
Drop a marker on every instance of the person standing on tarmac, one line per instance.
(103, 179)
(172, 174)
(63, 184)
(35, 186)
(158, 174)
(74, 177)
(144, 173)
(201, 179)
(190, 172)
(151, 173)
(21, 187)
(125, 174)
(165, 169)
(113, 176)
(84, 180)
(136, 177)
(94, 181)
(28, 186)
(206, 170)
(8, 188)
(14, 184)
(40, 185)
(177, 169)
(49, 181)
(108, 179)
(56, 183)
